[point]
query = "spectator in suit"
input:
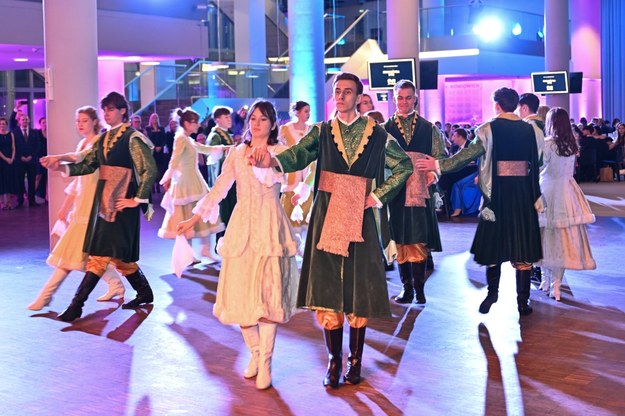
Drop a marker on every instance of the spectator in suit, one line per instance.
(41, 180)
(27, 145)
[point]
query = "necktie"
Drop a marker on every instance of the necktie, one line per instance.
(26, 134)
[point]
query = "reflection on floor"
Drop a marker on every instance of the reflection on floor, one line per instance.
(442, 359)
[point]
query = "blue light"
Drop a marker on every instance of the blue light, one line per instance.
(517, 29)
(488, 29)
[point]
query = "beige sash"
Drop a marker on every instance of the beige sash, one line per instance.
(416, 185)
(116, 180)
(343, 221)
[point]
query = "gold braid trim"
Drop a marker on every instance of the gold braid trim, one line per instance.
(401, 127)
(108, 144)
(225, 136)
(338, 139)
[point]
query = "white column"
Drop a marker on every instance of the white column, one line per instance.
(557, 46)
(250, 45)
(71, 64)
(306, 69)
(402, 23)
(586, 57)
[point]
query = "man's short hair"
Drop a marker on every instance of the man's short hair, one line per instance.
(404, 83)
(507, 98)
(530, 100)
(221, 111)
(348, 76)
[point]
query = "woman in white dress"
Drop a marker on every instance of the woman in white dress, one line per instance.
(258, 279)
(185, 186)
(297, 189)
(563, 222)
(68, 254)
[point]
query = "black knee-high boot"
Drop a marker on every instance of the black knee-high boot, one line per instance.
(407, 293)
(144, 292)
(493, 274)
(523, 281)
(334, 344)
(74, 310)
(418, 274)
(354, 360)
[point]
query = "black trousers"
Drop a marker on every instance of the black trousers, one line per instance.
(30, 171)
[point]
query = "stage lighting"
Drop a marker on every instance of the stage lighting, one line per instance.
(488, 29)
(540, 36)
(517, 29)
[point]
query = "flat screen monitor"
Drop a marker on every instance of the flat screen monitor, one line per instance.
(383, 75)
(428, 75)
(575, 82)
(555, 82)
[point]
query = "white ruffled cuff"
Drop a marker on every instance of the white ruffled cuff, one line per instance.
(268, 176)
(208, 210)
(303, 191)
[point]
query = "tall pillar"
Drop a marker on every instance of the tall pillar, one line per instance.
(71, 78)
(557, 46)
(306, 69)
(586, 57)
(111, 78)
(402, 25)
(250, 46)
(613, 55)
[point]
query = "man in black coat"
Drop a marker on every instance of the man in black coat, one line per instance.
(27, 150)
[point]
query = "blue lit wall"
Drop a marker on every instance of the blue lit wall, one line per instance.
(306, 68)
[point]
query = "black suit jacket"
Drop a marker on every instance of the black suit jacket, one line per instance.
(30, 147)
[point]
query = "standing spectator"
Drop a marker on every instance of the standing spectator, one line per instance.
(27, 146)
(365, 105)
(258, 277)
(157, 136)
(563, 223)
(8, 171)
(137, 124)
(507, 148)
(41, 181)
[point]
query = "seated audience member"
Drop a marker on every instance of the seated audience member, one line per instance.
(466, 196)
(460, 140)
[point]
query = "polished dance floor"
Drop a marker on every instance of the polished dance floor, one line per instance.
(175, 358)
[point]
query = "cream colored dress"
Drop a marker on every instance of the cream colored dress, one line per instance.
(259, 275)
(563, 222)
(68, 253)
(299, 182)
(187, 186)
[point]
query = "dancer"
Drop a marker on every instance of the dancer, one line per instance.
(507, 148)
(127, 173)
(414, 226)
(563, 223)
(220, 135)
(296, 191)
(185, 186)
(342, 274)
(258, 278)
(67, 254)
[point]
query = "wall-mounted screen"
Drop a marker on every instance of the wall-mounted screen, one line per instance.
(555, 82)
(383, 75)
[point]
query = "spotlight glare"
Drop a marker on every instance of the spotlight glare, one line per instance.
(517, 29)
(488, 29)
